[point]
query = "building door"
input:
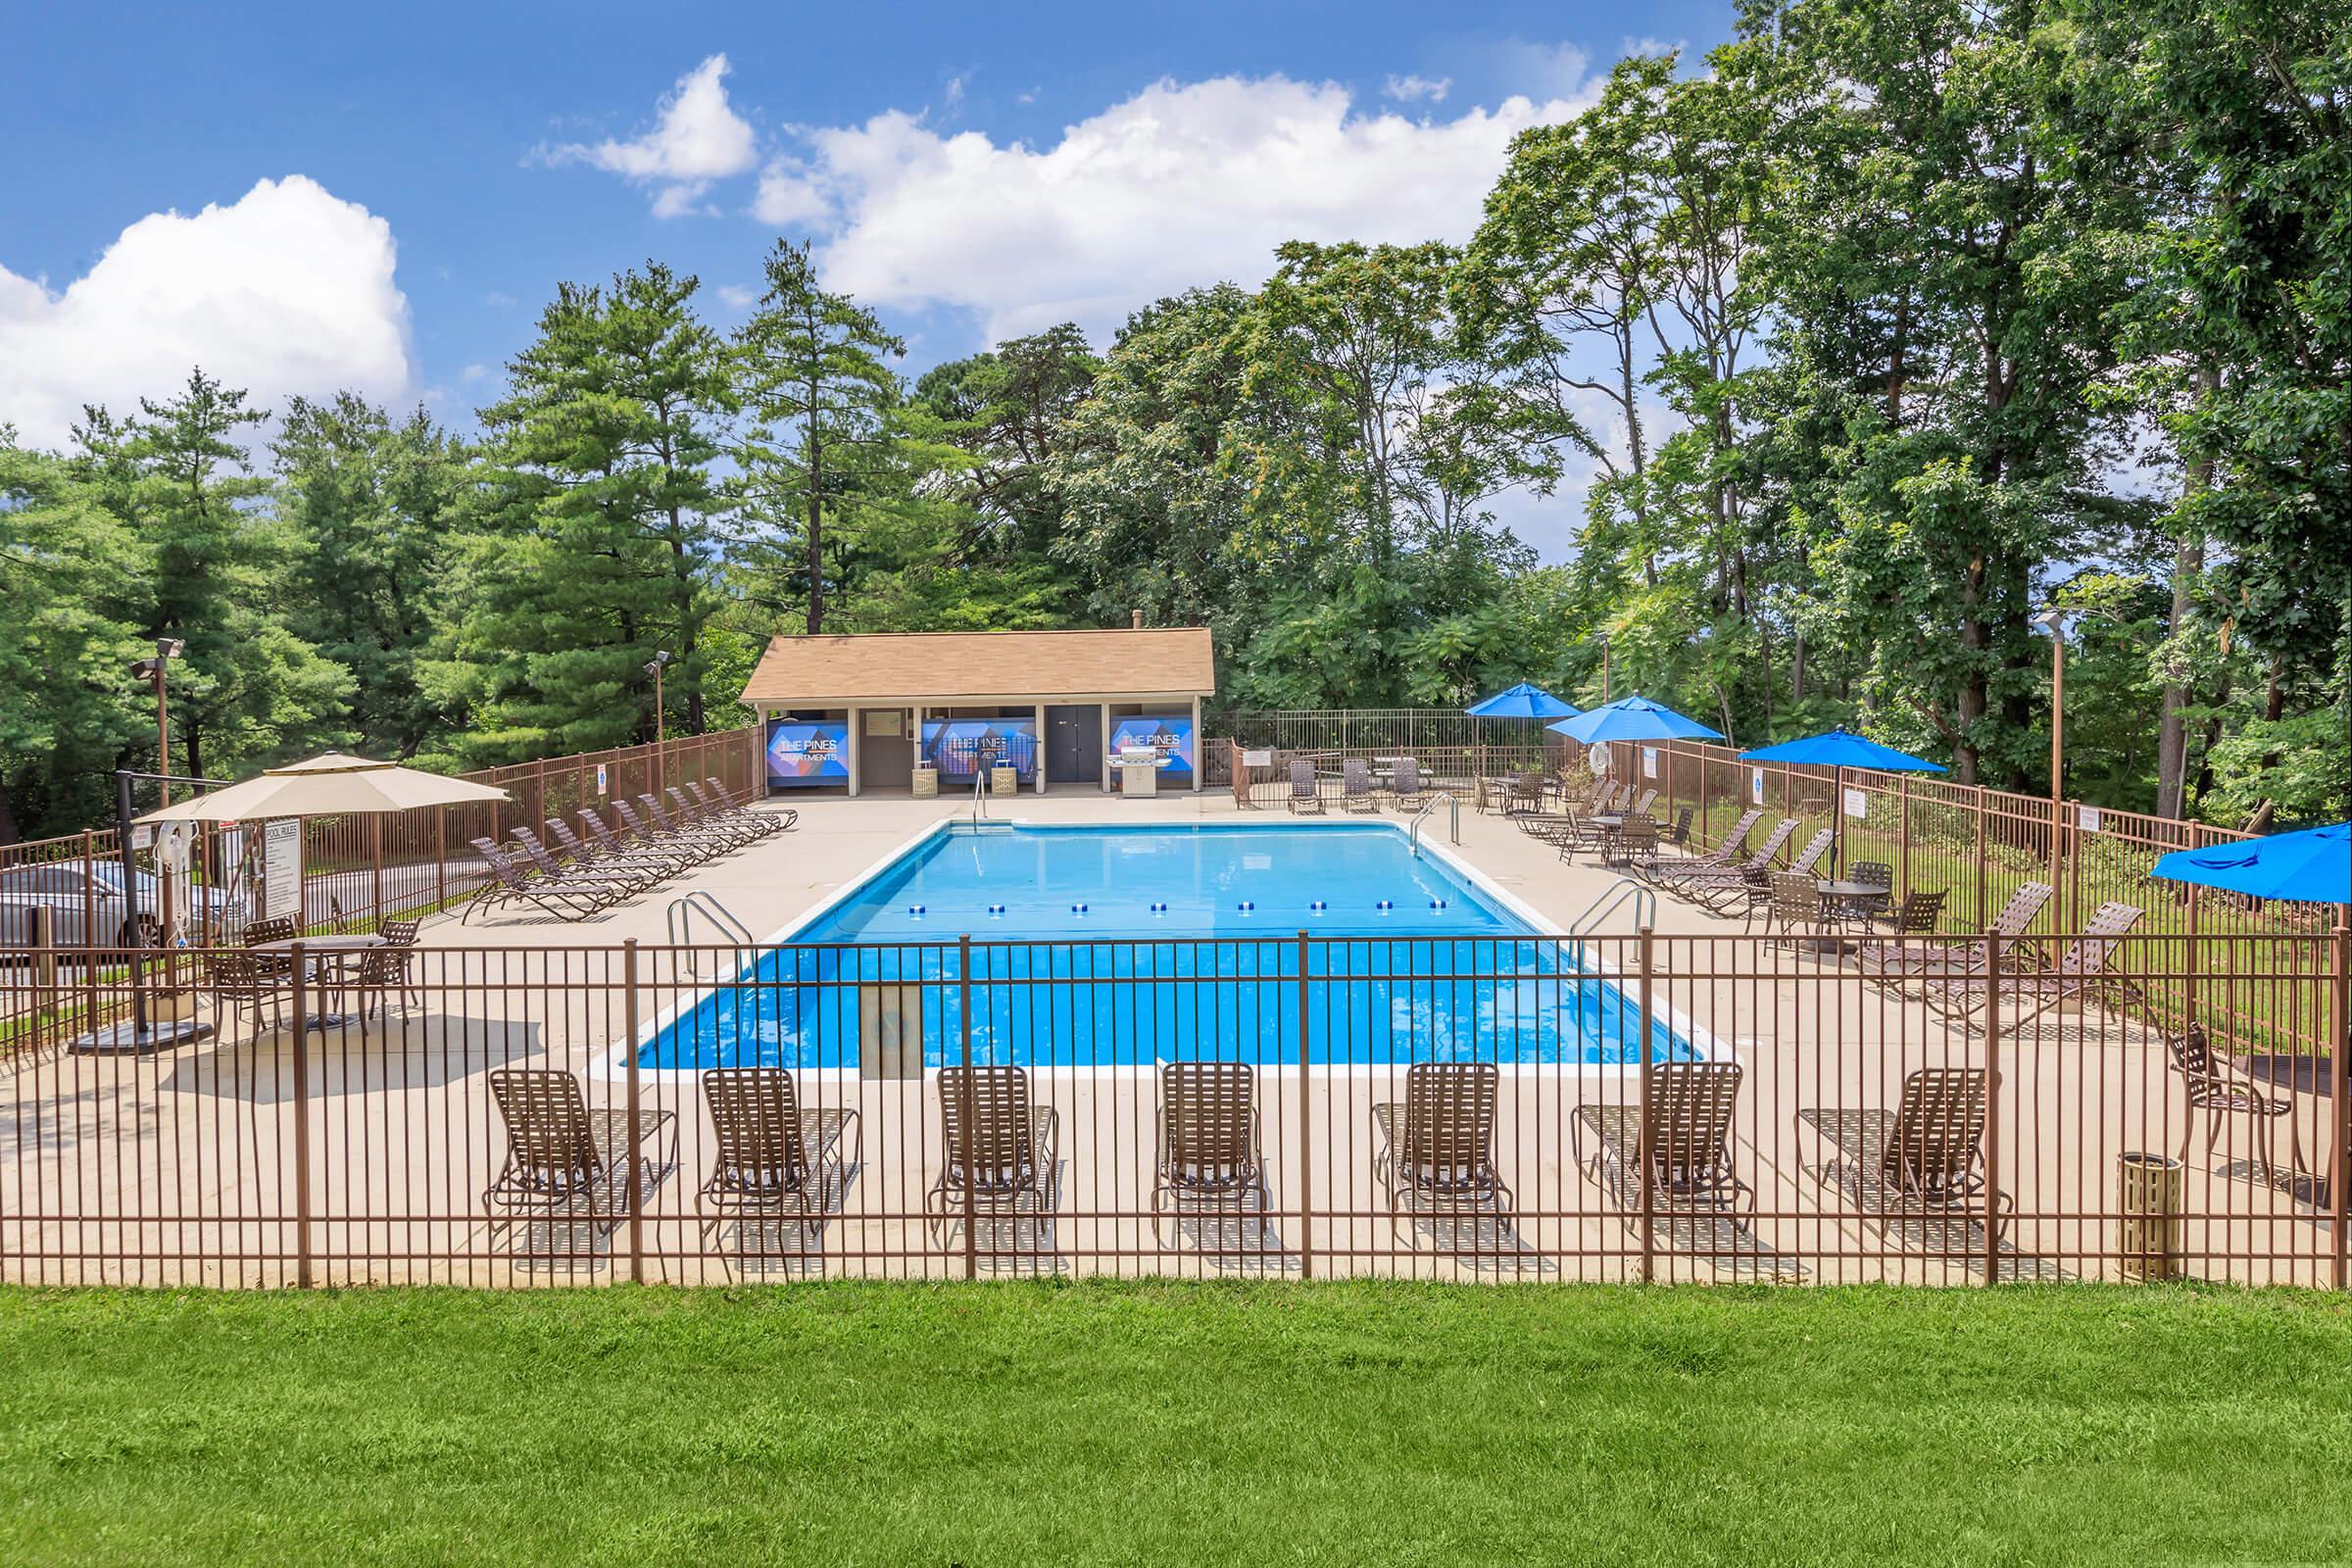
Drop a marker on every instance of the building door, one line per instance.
(1074, 743)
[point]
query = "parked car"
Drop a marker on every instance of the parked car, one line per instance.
(75, 890)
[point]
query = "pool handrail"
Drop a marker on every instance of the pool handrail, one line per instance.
(1452, 801)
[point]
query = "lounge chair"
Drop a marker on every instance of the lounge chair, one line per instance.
(637, 846)
(569, 1169)
(622, 866)
(649, 829)
(1435, 1158)
(1641, 807)
(1916, 1174)
(1355, 785)
(780, 1168)
(2080, 971)
(682, 813)
(1306, 791)
(1723, 867)
(785, 817)
(1003, 1162)
(1722, 857)
(553, 871)
(1404, 783)
(725, 809)
(1697, 1202)
(509, 885)
(1907, 965)
(1210, 1155)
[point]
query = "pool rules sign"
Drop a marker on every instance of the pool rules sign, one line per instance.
(281, 869)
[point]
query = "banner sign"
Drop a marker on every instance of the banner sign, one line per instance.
(281, 869)
(1171, 736)
(801, 754)
(1756, 785)
(1650, 761)
(960, 746)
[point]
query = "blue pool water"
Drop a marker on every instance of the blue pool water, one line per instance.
(1123, 945)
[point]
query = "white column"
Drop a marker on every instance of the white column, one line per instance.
(1102, 745)
(1199, 762)
(856, 745)
(1040, 749)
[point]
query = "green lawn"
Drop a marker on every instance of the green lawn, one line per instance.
(1164, 1424)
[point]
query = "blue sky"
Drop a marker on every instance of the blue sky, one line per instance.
(434, 171)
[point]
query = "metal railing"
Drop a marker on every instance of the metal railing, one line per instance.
(1653, 1107)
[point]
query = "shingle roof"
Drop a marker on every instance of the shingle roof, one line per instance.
(952, 668)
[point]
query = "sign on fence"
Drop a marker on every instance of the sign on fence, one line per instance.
(601, 783)
(1857, 805)
(2088, 818)
(281, 868)
(1756, 785)
(1650, 761)
(1257, 759)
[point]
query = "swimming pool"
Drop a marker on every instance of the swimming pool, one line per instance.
(1121, 946)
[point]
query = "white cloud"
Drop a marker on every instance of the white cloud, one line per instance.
(696, 138)
(286, 290)
(1414, 89)
(740, 295)
(1560, 70)
(1179, 185)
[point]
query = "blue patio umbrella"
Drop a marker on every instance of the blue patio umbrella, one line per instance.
(1841, 748)
(1632, 718)
(1522, 702)
(2313, 867)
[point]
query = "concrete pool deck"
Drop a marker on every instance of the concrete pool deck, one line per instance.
(178, 1167)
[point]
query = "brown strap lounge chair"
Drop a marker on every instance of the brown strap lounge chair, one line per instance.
(509, 885)
(1697, 1202)
(1355, 785)
(1906, 965)
(1693, 873)
(758, 823)
(1003, 1159)
(1404, 783)
(785, 817)
(1660, 869)
(1306, 791)
(1435, 1153)
(639, 871)
(1209, 1153)
(1916, 1174)
(2080, 972)
(568, 1168)
(642, 838)
(780, 1168)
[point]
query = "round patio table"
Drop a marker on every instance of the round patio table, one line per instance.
(334, 952)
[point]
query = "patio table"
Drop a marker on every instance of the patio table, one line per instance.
(327, 951)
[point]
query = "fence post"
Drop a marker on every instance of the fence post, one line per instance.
(1993, 1109)
(1980, 818)
(302, 1116)
(630, 1013)
(375, 854)
(1902, 795)
(440, 856)
(2340, 1056)
(1307, 1130)
(91, 941)
(1642, 1151)
(44, 974)
(967, 1105)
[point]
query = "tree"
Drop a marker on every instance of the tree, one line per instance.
(595, 537)
(1010, 409)
(372, 507)
(823, 402)
(247, 685)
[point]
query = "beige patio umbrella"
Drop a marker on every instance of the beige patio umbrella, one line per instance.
(328, 785)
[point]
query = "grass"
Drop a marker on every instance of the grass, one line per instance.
(1168, 1423)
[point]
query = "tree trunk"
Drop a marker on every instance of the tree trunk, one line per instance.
(817, 559)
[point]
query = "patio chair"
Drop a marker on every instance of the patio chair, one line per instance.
(1404, 783)
(1526, 792)
(780, 1167)
(1436, 1148)
(277, 928)
(1210, 1155)
(1570, 832)
(1636, 839)
(390, 971)
(509, 885)
(568, 1168)
(1356, 786)
(1697, 1202)
(1306, 791)
(1678, 837)
(2080, 971)
(785, 817)
(1003, 1160)
(1793, 904)
(1916, 1174)
(245, 982)
(2216, 1088)
(1641, 807)
(1723, 856)
(1918, 916)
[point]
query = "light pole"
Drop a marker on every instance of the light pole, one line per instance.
(654, 668)
(152, 670)
(2051, 624)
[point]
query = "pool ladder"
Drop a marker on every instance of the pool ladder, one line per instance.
(1454, 828)
(1610, 900)
(980, 794)
(678, 919)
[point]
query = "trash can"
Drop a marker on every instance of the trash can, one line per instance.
(2148, 1195)
(1002, 780)
(926, 783)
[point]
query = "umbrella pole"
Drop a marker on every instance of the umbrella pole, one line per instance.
(130, 901)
